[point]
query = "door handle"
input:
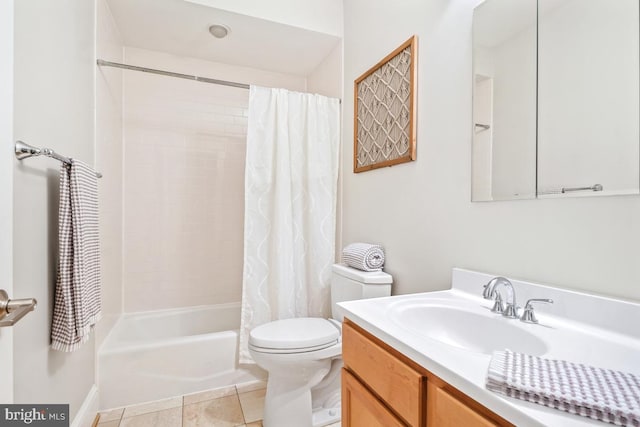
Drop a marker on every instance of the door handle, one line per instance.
(12, 310)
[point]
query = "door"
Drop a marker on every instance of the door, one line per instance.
(6, 190)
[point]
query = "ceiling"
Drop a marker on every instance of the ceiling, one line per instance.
(181, 28)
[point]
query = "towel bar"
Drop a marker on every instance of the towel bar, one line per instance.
(562, 190)
(24, 151)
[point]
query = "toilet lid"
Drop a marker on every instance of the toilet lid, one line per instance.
(301, 332)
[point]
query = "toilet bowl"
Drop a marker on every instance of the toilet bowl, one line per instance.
(299, 354)
(303, 355)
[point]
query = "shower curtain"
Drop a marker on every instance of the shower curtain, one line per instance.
(290, 207)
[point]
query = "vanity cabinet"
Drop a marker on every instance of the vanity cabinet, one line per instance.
(382, 387)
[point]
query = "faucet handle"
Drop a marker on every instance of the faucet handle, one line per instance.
(498, 307)
(528, 316)
(487, 292)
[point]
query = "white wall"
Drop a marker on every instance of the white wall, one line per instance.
(421, 211)
(108, 154)
(54, 107)
(483, 61)
(323, 16)
(326, 78)
(184, 181)
(6, 190)
(588, 96)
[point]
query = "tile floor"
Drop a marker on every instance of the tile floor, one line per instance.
(238, 405)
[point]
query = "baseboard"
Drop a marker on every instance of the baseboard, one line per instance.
(87, 412)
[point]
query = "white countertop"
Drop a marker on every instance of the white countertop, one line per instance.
(580, 328)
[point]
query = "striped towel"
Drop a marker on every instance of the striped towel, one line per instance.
(363, 256)
(601, 394)
(77, 304)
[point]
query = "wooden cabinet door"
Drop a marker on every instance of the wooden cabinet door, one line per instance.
(360, 408)
(444, 410)
(396, 383)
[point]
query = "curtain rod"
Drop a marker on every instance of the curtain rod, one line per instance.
(104, 63)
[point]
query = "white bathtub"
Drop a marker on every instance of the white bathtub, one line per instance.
(155, 355)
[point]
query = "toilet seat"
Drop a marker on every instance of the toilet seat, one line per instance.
(296, 335)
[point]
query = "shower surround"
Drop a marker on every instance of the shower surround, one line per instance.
(183, 210)
(184, 155)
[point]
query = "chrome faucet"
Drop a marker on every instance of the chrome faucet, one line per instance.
(490, 292)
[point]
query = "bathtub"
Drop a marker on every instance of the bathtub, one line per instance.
(160, 354)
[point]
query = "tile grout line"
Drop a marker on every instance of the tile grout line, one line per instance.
(244, 419)
(235, 390)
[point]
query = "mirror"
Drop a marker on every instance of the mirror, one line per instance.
(504, 100)
(588, 97)
(559, 117)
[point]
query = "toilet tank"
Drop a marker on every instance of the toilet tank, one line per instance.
(349, 284)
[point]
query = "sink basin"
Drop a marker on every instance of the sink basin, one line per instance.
(466, 329)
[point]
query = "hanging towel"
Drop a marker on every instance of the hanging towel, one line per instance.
(77, 303)
(601, 394)
(364, 256)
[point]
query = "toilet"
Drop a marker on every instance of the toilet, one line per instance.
(303, 355)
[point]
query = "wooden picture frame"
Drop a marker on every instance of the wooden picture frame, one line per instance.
(384, 122)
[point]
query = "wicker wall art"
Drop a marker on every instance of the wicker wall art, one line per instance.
(384, 111)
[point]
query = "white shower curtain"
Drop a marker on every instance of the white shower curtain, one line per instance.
(290, 207)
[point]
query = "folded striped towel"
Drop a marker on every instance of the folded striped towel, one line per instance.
(601, 394)
(363, 256)
(77, 301)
